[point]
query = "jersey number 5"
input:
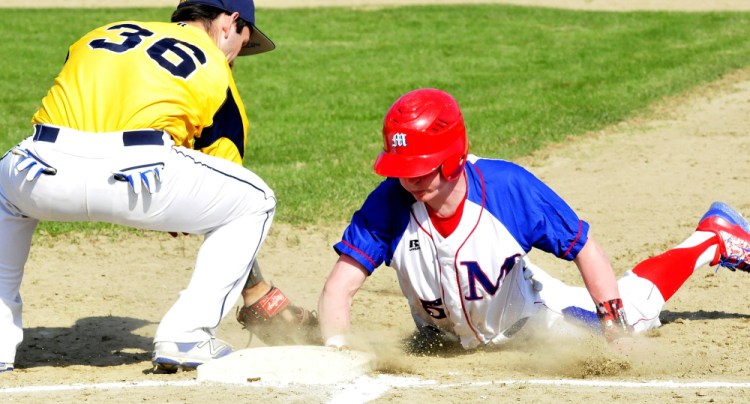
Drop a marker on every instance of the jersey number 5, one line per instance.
(133, 36)
(434, 308)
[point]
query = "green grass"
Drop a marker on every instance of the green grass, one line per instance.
(524, 77)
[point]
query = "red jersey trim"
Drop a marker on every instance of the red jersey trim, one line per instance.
(575, 240)
(367, 257)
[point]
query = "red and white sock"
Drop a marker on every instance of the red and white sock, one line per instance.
(669, 270)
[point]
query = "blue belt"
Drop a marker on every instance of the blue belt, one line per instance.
(43, 133)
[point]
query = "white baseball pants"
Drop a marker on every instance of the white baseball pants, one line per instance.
(137, 179)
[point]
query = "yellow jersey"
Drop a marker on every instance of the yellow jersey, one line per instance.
(136, 75)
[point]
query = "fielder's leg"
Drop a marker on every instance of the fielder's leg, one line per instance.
(16, 232)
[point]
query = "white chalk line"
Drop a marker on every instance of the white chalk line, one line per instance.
(97, 386)
(370, 387)
(367, 388)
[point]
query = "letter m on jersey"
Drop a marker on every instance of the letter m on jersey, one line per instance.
(476, 275)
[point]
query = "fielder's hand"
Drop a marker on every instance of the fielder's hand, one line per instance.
(278, 322)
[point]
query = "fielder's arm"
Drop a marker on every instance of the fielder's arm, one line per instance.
(335, 302)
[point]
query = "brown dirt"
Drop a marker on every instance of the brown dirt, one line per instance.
(93, 301)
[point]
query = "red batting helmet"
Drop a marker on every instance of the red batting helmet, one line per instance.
(422, 131)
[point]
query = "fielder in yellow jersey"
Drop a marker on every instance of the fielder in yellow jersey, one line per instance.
(164, 76)
(144, 127)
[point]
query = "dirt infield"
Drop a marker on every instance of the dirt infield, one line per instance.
(92, 302)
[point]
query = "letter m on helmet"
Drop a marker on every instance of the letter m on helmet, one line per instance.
(423, 131)
(398, 139)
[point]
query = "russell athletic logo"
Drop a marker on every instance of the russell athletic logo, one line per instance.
(398, 140)
(413, 245)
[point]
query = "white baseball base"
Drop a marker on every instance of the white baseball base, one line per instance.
(300, 364)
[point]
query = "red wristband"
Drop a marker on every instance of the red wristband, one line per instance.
(612, 318)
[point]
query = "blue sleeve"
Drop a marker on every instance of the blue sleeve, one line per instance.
(377, 227)
(533, 213)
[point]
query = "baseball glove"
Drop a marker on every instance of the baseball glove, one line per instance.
(276, 321)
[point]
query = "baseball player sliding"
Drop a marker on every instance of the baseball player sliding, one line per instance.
(457, 228)
(144, 127)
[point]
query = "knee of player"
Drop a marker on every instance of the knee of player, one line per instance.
(268, 206)
(271, 203)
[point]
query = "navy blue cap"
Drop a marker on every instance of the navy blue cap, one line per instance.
(259, 42)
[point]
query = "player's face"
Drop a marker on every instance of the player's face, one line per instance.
(425, 188)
